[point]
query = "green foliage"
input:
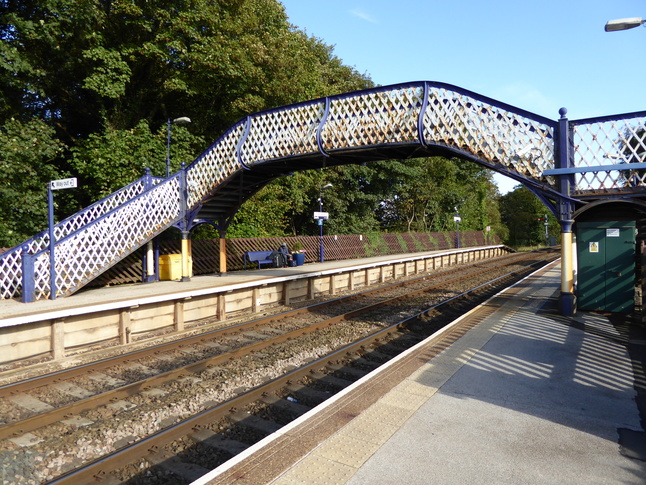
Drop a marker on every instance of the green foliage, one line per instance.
(264, 215)
(108, 160)
(433, 241)
(106, 76)
(25, 152)
(521, 212)
(419, 246)
(426, 192)
(204, 231)
(375, 244)
(96, 82)
(402, 243)
(418, 195)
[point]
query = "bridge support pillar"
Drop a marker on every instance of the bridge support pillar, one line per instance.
(564, 158)
(186, 256)
(150, 275)
(223, 256)
(567, 300)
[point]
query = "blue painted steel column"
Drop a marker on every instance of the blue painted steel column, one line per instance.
(320, 222)
(319, 130)
(27, 275)
(422, 112)
(564, 153)
(149, 273)
(168, 131)
(52, 243)
(241, 142)
(186, 243)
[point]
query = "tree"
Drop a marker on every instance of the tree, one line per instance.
(109, 160)
(394, 195)
(87, 66)
(523, 213)
(428, 191)
(26, 150)
(106, 76)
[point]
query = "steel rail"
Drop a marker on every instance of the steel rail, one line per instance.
(98, 469)
(84, 369)
(49, 417)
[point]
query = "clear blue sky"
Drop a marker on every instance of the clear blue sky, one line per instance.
(536, 55)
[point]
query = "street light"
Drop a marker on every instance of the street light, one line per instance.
(321, 217)
(176, 121)
(624, 24)
(457, 220)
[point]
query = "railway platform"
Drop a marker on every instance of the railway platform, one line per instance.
(128, 314)
(525, 396)
(142, 293)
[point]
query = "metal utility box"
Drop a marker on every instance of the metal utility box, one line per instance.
(606, 266)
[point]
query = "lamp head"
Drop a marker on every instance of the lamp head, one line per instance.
(624, 24)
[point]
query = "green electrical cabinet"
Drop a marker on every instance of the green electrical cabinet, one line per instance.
(606, 266)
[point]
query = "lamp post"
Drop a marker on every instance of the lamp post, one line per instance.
(457, 220)
(624, 24)
(321, 218)
(181, 120)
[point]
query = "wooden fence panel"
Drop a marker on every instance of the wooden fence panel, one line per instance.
(206, 252)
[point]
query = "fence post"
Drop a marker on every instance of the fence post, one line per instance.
(27, 275)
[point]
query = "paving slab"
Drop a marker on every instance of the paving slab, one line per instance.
(541, 401)
(526, 396)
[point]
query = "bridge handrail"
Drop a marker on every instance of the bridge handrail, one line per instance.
(10, 261)
(109, 238)
(605, 142)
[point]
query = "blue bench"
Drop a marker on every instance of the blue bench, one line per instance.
(260, 257)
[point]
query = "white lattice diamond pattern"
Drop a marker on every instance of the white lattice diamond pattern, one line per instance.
(374, 118)
(213, 166)
(609, 142)
(11, 261)
(501, 137)
(283, 133)
(98, 246)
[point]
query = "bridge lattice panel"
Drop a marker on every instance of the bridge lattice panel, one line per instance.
(494, 133)
(282, 133)
(86, 253)
(505, 137)
(618, 141)
(373, 118)
(213, 166)
(10, 261)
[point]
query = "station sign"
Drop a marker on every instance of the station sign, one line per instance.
(63, 184)
(321, 216)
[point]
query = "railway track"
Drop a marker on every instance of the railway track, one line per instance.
(168, 413)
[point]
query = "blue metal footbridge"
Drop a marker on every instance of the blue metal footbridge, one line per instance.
(568, 164)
